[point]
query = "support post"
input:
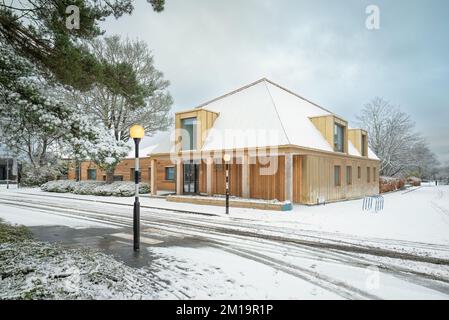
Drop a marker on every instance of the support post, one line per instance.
(153, 177)
(179, 176)
(209, 164)
(288, 177)
(245, 177)
(227, 187)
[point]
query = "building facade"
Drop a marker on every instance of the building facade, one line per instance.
(282, 146)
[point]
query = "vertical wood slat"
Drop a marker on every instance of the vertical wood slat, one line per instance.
(297, 178)
(318, 179)
(235, 179)
(268, 187)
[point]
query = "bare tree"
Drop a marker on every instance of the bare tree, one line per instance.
(392, 137)
(114, 110)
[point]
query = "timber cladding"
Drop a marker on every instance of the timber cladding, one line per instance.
(267, 186)
(319, 178)
(219, 179)
(205, 120)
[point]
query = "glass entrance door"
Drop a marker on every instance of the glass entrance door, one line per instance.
(191, 175)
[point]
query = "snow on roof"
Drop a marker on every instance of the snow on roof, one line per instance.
(278, 116)
(352, 150)
(158, 143)
(262, 114)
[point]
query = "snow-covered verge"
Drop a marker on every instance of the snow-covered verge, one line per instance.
(35, 270)
(97, 188)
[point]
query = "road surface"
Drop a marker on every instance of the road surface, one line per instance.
(201, 256)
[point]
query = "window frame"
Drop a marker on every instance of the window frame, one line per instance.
(337, 177)
(89, 170)
(193, 138)
(166, 175)
(349, 175)
(364, 145)
(368, 174)
(338, 126)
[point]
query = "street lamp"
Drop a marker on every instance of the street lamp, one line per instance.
(226, 159)
(136, 132)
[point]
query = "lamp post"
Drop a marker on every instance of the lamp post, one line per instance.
(136, 132)
(226, 159)
(7, 171)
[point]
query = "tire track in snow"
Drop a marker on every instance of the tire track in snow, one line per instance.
(169, 225)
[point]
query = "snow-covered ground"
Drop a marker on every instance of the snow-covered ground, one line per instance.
(419, 214)
(331, 251)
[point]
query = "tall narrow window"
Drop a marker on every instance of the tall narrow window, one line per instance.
(337, 176)
(364, 145)
(188, 133)
(374, 174)
(91, 174)
(359, 172)
(368, 174)
(339, 133)
(348, 175)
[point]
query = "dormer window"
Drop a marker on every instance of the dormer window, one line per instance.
(188, 126)
(339, 138)
(364, 145)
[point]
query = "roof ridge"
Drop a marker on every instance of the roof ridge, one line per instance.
(231, 93)
(277, 112)
(297, 95)
(256, 82)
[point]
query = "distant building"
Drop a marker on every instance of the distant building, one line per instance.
(8, 166)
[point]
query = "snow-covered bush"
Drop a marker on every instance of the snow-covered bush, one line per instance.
(97, 188)
(387, 184)
(61, 186)
(414, 181)
(36, 176)
(43, 271)
(87, 187)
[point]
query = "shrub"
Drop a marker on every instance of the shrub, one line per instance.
(61, 186)
(414, 181)
(387, 184)
(96, 188)
(36, 176)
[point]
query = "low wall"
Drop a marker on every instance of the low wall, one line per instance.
(212, 201)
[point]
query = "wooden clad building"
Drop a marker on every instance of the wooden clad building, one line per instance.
(282, 147)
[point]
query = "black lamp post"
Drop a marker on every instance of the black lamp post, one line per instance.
(7, 171)
(136, 132)
(226, 159)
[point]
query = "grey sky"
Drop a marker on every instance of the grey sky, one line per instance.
(319, 49)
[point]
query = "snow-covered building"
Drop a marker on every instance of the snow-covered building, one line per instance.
(281, 145)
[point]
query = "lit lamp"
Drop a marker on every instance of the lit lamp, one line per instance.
(226, 159)
(136, 132)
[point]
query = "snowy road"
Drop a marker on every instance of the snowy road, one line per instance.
(202, 256)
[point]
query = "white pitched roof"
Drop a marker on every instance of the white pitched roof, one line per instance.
(264, 114)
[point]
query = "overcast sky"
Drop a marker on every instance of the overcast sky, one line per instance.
(319, 49)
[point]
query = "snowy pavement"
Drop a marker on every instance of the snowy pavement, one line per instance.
(332, 251)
